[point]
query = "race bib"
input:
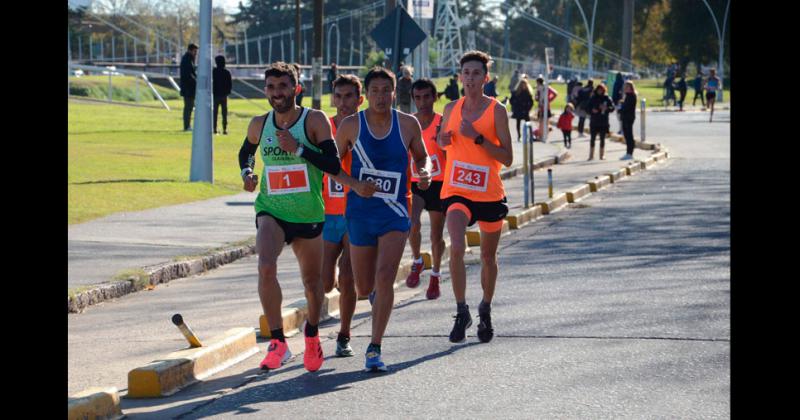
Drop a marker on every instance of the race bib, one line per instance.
(469, 176)
(335, 189)
(388, 182)
(287, 179)
(435, 168)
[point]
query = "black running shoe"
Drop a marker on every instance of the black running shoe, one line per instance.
(485, 331)
(463, 321)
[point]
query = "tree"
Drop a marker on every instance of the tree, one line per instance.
(690, 33)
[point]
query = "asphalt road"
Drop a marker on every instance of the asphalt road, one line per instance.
(618, 307)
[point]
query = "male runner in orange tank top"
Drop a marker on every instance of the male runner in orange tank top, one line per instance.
(423, 91)
(477, 141)
(347, 98)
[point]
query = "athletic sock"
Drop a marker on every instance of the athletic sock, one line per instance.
(278, 335)
(311, 330)
(462, 307)
(343, 337)
(418, 260)
(484, 308)
(434, 273)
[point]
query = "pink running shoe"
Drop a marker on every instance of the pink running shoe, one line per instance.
(277, 354)
(312, 358)
(433, 288)
(412, 280)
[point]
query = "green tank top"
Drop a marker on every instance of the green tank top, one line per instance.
(291, 188)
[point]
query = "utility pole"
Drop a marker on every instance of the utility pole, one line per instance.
(202, 168)
(297, 33)
(316, 64)
(627, 33)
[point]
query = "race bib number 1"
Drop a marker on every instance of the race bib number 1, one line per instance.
(287, 179)
(388, 182)
(469, 176)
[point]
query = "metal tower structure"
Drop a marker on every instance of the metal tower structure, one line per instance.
(448, 34)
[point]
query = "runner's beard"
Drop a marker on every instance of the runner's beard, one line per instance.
(287, 103)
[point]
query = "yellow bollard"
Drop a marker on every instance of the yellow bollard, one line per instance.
(177, 319)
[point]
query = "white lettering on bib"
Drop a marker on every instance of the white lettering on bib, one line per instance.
(335, 189)
(388, 182)
(287, 179)
(469, 176)
(436, 169)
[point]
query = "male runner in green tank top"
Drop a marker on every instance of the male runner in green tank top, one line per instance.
(296, 146)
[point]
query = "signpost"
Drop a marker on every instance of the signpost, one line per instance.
(397, 34)
(544, 126)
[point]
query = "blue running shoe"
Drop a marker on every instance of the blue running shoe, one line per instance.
(374, 363)
(371, 297)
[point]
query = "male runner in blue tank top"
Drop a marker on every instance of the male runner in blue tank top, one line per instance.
(381, 138)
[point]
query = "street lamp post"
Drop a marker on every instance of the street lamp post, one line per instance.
(589, 32)
(721, 37)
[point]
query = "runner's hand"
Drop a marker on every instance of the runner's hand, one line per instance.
(365, 188)
(286, 141)
(424, 179)
(250, 182)
(468, 130)
(445, 138)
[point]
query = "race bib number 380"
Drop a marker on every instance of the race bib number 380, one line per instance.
(287, 179)
(388, 182)
(469, 176)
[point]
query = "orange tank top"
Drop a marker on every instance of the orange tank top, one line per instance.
(470, 171)
(435, 154)
(334, 194)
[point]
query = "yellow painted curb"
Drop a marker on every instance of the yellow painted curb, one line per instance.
(166, 376)
(599, 182)
(427, 259)
(94, 403)
(660, 156)
(576, 193)
(516, 221)
(555, 204)
(647, 163)
(633, 168)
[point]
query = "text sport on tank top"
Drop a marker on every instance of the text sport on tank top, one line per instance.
(385, 162)
(470, 171)
(334, 194)
(434, 153)
(290, 187)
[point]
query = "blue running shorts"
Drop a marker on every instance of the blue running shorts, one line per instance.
(365, 232)
(334, 229)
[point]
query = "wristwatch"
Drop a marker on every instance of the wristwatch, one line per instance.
(479, 139)
(299, 150)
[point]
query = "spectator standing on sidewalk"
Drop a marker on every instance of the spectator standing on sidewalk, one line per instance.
(583, 105)
(627, 113)
(551, 95)
(491, 88)
(521, 103)
(223, 85)
(680, 85)
(573, 93)
(600, 106)
(451, 91)
(616, 97)
(698, 89)
(512, 85)
(565, 124)
(188, 84)
(404, 91)
(302, 90)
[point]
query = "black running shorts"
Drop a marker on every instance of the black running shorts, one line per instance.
(430, 196)
(293, 230)
(485, 211)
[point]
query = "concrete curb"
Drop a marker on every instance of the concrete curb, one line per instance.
(168, 375)
(156, 274)
(94, 403)
(554, 204)
(576, 193)
(522, 218)
(599, 182)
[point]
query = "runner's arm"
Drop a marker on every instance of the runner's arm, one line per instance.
(320, 134)
(345, 136)
(247, 153)
(503, 153)
(418, 151)
(443, 138)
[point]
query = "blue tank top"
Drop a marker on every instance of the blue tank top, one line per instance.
(385, 162)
